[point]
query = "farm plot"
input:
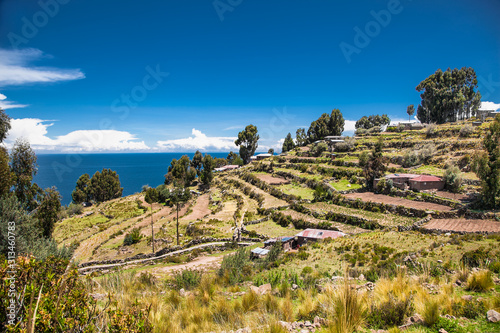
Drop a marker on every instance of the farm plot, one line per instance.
(385, 199)
(463, 225)
(272, 180)
(348, 229)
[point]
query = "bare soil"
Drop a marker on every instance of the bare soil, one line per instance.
(200, 209)
(200, 263)
(385, 199)
(272, 180)
(463, 225)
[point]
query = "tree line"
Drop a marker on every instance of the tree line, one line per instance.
(26, 210)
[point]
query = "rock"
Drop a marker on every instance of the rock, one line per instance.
(361, 277)
(294, 286)
(467, 298)
(417, 319)
(493, 316)
(285, 325)
(182, 292)
(255, 289)
(440, 261)
(307, 324)
(244, 330)
(98, 296)
(265, 288)
(447, 316)
(442, 331)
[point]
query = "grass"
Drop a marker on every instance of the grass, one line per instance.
(298, 190)
(272, 229)
(344, 185)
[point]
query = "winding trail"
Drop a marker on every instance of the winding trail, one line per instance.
(140, 261)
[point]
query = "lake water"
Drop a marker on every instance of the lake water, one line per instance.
(134, 169)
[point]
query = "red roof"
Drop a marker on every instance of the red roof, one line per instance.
(425, 178)
(320, 234)
(401, 175)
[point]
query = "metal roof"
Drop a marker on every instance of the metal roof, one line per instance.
(425, 178)
(320, 234)
(260, 251)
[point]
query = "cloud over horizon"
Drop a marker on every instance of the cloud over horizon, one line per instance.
(198, 141)
(16, 69)
(8, 104)
(489, 106)
(35, 132)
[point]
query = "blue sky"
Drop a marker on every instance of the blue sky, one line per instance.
(122, 75)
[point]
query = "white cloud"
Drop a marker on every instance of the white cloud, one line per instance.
(349, 125)
(8, 104)
(233, 128)
(489, 106)
(199, 141)
(35, 131)
(15, 69)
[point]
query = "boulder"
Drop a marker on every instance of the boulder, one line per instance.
(493, 316)
(182, 292)
(265, 288)
(467, 297)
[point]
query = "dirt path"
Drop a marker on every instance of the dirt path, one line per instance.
(385, 199)
(200, 209)
(200, 263)
(463, 225)
(139, 261)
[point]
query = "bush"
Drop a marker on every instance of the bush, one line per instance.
(453, 178)
(236, 267)
(345, 146)
(371, 275)
(466, 131)
(495, 267)
(474, 258)
(431, 130)
(132, 237)
(450, 326)
(349, 309)
(390, 313)
(468, 309)
(431, 312)
(364, 157)
(319, 148)
(187, 278)
(480, 281)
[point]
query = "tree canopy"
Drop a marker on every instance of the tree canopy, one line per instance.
(448, 96)
(105, 185)
(301, 137)
(4, 125)
(410, 110)
(486, 164)
(180, 172)
(207, 174)
(48, 210)
(82, 191)
(372, 121)
(326, 125)
(248, 142)
(288, 144)
(375, 167)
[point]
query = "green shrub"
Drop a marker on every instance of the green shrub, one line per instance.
(236, 267)
(469, 309)
(390, 313)
(133, 237)
(306, 270)
(187, 278)
(371, 275)
(495, 267)
(449, 325)
(474, 258)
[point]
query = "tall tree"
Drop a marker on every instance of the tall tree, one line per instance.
(449, 96)
(301, 137)
(372, 121)
(24, 168)
(6, 177)
(375, 167)
(319, 128)
(248, 142)
(410, 110)
(175, 197)
(486, 164)
(48, 210)
(197, 162)
(82, 191)
(180, 173)
(207, 174)
(288, 144)
(105, 185)
(234, 159)
(151, 197)
(336, 126)
(4, 125)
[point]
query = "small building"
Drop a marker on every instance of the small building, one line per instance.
(313, 235)
(259, 252)
(287, 243)
(335, 137)
(423, 183)
(262, 156)
(400, 180)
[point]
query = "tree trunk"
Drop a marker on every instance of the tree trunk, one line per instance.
(152, 230)
(177, 224)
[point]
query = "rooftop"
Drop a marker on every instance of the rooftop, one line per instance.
(320, 234)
